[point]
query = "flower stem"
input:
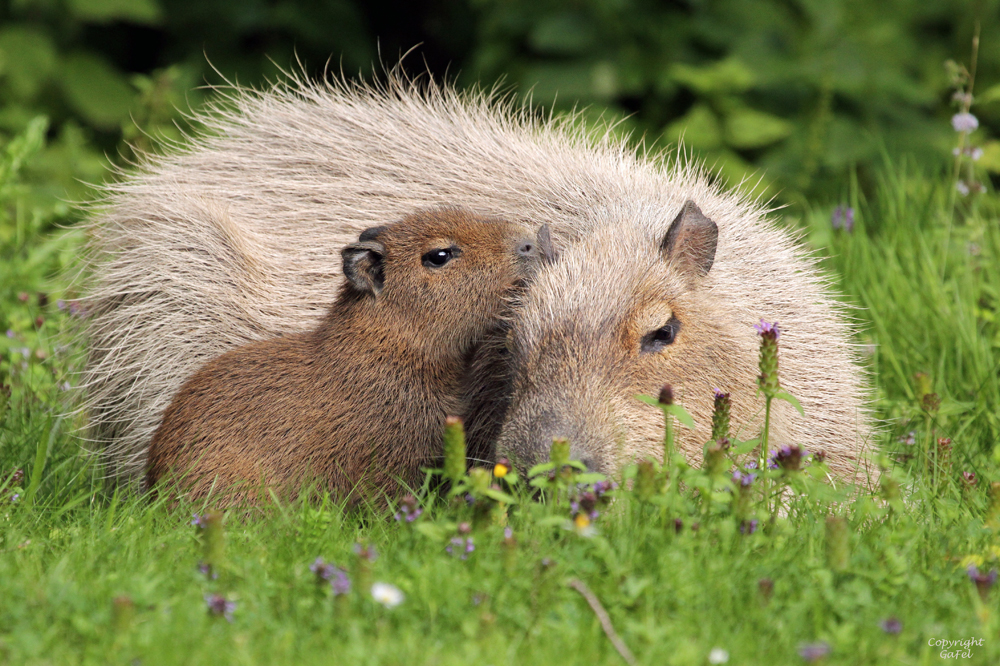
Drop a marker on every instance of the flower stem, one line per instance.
(764, 447)
(668, 438)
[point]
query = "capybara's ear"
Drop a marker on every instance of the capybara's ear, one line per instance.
(363, 265)
(546, 250)
(691, 241)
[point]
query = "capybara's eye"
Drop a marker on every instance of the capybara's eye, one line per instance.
(656, 340)
(439, 257)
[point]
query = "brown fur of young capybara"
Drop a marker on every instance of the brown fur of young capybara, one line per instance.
(359, 402)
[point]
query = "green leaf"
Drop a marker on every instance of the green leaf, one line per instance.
(145, 12)
(991, 157)
(566, 82)
(724, 76)
(682, 415)
(499, 496)
(568, 33)
(552, 521)
(433, 531)
(648, 399)
(748, 128)
(989, 95)
(791, 399)
(743, 448)
(698, 128)
(541, 468)
(29, 58)
(97, 90)
(676, 411)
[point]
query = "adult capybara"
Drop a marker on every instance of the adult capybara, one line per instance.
(359, 402)
(652, 299)
(236, 237)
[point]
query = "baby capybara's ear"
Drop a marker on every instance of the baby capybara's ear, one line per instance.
(363, 265)
(691, 241)
(546, 250)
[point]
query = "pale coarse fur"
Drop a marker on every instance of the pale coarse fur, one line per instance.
(236, 235)
(578, 361)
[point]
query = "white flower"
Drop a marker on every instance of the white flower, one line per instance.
(388, 595)
(718, 656)
(962, 188)
(964, 122)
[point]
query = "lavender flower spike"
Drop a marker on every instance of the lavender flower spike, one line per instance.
(217, 605)
(764, 328)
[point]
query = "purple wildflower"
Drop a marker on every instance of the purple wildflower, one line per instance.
(972, 152)
(964, 122)
(206, 569)
(461, 547)
(765, 586)
(983, 581)
(602, 487)
(843, 218)
(814, 651)
(10, 333)
(198, 521)
(408, 509)
(61, 304)
(969, 478)
(666, 396)
(508, 533)
(748, 526)
(891, 625)
(217, 605)
(743, 479)
(788, 458)
(15, 497)
(365, 552)
(340, 584)
(764, 329)
(910, 439)
(721, 408)
(324, 570)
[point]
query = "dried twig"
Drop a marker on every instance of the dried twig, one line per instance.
(602, 616)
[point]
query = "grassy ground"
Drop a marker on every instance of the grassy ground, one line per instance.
(88, 577)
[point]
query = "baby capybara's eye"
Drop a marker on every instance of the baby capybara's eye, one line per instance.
(656, 340)
(439, 257)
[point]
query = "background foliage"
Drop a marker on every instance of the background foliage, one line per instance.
(805, 90)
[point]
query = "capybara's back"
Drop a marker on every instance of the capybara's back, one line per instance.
(236, 237)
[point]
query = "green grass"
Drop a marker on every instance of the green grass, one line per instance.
(88, 577)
